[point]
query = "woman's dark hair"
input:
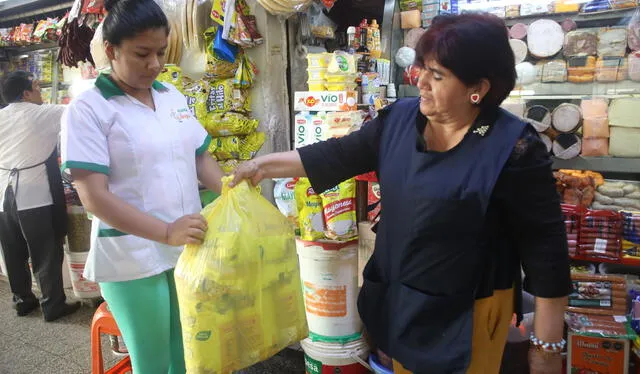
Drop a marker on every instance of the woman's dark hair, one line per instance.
(127, 18)
(474, 46)
(14, 85)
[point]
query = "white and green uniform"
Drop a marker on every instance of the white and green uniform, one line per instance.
(150, 158)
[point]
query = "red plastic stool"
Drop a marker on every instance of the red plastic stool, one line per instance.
(104, 323)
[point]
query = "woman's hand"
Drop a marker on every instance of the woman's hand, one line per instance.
(250, 171)
(541, 362)
(187, 230)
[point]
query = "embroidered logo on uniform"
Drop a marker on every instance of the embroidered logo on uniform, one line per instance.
(482, 130)
(181, 114)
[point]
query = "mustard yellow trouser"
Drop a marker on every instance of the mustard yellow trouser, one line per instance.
(492, 317)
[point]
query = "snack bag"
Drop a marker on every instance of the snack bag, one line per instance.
(172, 74)
(310, 219)
(339, 210)
(225, 148)
(239, 291)
(250, 145)
(224, 97)
(217, 68)
(196, 94)
(231, 123)
(284, 194)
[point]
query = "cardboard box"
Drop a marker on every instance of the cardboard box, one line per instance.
(328, 101)
(597, 355)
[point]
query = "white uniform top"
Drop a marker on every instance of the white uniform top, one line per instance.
(150, 158)
(28, 136)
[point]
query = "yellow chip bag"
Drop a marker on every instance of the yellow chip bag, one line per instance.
(339, 211)
(196, 94)
(225, 148)
(231, 123)
(172, 74)
(250, 145)
(310, 217)
(224, 97)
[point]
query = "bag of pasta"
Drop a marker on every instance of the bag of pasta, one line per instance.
(239, 292)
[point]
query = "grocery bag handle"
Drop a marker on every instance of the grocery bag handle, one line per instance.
(360, 361)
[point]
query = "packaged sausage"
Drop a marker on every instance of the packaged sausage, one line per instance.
(605, 326)
(600, 234)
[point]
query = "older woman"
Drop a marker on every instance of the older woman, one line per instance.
(469, 199)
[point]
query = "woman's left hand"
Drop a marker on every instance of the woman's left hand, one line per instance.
(541, 362)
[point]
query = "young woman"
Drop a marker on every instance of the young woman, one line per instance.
(136, 154)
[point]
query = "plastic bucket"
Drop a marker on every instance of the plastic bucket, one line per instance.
(350, 358)
(377, 367)
(82, 288)
(329, 272)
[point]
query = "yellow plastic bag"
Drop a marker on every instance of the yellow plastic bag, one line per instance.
(239, 292)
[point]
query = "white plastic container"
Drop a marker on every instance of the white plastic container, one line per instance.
(366, 245)
(329, 272)
(82, 288)
(350, 358)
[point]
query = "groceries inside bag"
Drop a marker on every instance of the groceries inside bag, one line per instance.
(240, 292)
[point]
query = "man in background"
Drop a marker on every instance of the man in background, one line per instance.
(32, 208)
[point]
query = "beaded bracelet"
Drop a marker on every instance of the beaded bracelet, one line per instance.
(547, 347)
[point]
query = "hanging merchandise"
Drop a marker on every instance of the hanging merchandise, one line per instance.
(98, 52)
(93, 7)
(240, 25)
(172, 74)
(223, 48)
(194, 17)
(321, 26)
(225, 148)
(75, 40)
(310, 217)
(175, 47)
(227, 124)
(223, 97)
(239, 291)
(339, 209)
(217, 67)
(284, 196)
(246, 72)
(285, 8)
(250, 145)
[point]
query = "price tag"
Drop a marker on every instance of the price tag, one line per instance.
(620, 319)
(601, 246)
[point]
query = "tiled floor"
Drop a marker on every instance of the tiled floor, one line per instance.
(28, 345)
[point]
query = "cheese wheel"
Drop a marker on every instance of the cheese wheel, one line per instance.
(594, 108)
(612, 42)
(624, 142)
(566, 117)
(568, 25)
(518, 31)
(567, 146)
(519, 50)
(554, 71)
(633, 64)
(633, 33)
(545, 38)
(547, 141)
(527, 73)
(595, 147)
(539, 117)
(580, 43)
(624, 113)
(517, 109)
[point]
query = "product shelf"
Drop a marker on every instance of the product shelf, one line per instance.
(579, 18)
(622, 261)
(599, 164)
(568, 90)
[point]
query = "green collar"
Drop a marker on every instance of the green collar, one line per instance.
(108, 88)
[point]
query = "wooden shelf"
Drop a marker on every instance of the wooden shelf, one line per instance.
(600, 164)
(31, 48)
(582, 19)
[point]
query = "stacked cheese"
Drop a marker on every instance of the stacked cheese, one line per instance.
(595, 128)
(624, 118)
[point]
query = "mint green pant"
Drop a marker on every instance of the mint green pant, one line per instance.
(146, 311)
